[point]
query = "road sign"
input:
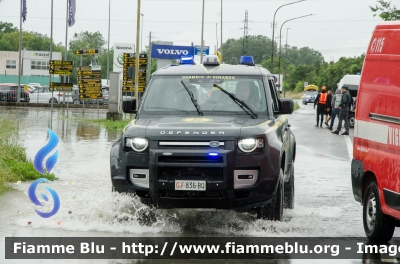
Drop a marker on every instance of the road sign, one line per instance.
(61, 72)
(91, 96)
(61, 67)
(88, 77)
(60, 89)
(305, 84)
(130, 61)
(90, 90)
(61, 63)
(98, 85)
(89, 72)
(66, 85)
(87, 52)
(83, 81)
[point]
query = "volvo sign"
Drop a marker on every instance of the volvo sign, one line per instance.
(171, 52)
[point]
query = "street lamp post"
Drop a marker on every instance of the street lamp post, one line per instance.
(141, 35)
(284, 72)
(137, 54)
(202, 31)
(108, 48)
(280, 39)
(273, 32)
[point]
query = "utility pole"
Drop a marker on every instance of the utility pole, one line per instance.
(137, 54)
(284, 73)
(108, 48)
(221, 32)
(148, 71)
(245, 33)
(202, 32)
(19, 55)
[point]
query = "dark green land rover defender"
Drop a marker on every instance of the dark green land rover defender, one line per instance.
(209, 136)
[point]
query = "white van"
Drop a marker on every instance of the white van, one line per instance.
(352, 81)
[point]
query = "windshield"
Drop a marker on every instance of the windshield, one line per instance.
(167, 94)
(311, 93)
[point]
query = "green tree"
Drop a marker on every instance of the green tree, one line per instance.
(258, 47)
(86, 40)
(386, 11)
(7, 27)
(103, 63)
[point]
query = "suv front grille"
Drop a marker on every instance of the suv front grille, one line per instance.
(171, 173)
(190, 159)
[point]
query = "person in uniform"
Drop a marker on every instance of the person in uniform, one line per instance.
(248, 92)
(344, 106)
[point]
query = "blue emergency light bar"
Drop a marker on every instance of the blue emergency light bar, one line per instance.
(247, 60)
(187, 60)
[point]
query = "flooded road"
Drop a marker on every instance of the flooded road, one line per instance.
(324, 205)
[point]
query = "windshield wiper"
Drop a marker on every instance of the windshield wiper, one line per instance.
(193, 99)
(241, 103)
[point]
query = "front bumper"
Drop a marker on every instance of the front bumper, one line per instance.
(309, 100)
(224, 189)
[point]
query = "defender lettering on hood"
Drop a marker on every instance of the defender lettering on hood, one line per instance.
(192, 132)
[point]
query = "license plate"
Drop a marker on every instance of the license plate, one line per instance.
(190, 185)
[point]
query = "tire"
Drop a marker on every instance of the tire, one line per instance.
(54, 100)
(305, 103)
(378, 227)
(288, 201)
(76, 101)
(273, 210)
(352, 120)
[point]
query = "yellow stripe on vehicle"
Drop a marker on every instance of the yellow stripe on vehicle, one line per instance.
(277, 124)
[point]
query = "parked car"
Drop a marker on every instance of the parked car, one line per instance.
(44, 95)
(309, 97)
(8, 92)
(77, 100)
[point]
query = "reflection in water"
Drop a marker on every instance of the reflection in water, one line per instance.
(87, 131)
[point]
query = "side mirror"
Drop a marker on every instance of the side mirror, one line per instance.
(131, 72)
(129, 105)
(286, 106)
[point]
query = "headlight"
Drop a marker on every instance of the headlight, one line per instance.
(137, 144)
(250, 144)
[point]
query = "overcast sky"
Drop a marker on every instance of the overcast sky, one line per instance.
(338, 27)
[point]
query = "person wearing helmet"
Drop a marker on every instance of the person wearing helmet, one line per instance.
(321, 101)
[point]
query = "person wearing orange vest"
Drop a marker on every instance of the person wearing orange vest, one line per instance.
(322, 102)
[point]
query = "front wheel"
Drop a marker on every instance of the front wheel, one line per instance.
(377, 226)
(273, 210)
(352, 120)
(76, 101)
(288, 201)
(54, 100)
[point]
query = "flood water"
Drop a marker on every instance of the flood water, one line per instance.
(324, 205)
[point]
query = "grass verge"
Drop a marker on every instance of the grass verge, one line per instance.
(108, 124)
(14, 164)
(296, 106)
(293, 95)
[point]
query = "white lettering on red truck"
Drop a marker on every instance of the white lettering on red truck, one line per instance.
(377, 45)
(393, 136)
